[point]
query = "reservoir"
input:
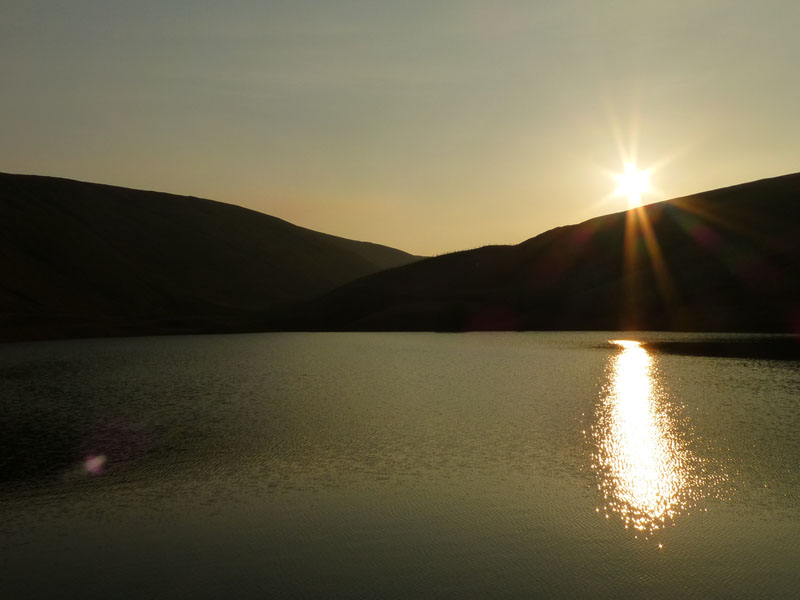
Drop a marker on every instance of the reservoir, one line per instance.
(398, 465)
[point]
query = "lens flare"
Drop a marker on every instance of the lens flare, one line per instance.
(94, 464)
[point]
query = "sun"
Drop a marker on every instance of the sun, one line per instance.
(632, 183)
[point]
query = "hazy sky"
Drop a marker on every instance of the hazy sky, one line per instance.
(429, 126)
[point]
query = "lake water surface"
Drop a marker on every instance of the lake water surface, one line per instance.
(397, 465)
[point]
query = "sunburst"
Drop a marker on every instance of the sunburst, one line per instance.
(632, 183)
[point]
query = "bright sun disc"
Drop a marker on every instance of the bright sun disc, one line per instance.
(632, 184)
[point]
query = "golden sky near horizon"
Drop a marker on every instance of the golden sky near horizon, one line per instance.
(428, 126)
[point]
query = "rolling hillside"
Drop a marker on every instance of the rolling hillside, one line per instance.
(83, 259)
(723, 260)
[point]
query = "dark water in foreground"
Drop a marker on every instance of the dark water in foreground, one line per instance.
(519, 465)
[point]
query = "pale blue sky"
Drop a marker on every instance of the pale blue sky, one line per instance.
(429, 126)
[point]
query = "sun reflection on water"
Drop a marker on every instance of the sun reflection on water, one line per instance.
(647, 474)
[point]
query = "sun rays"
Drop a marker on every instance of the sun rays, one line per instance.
(640, 244)
(632, 183)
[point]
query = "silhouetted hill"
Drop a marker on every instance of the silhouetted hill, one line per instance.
(87, 259)
(724, 260)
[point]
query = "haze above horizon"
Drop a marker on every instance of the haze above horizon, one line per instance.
(430, 128)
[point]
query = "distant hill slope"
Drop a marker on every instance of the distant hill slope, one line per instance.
(88, 259)
(724, 260)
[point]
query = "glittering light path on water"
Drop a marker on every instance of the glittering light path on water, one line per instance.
(646, 473)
